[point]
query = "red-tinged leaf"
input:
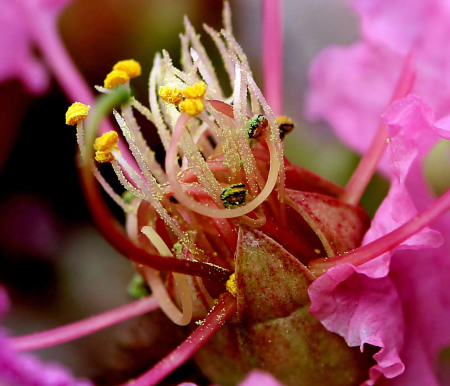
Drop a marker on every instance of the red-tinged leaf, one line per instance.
(338, 225)
(271, 283)
(274, 330)
(303, 180)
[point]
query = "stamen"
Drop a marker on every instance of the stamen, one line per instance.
(192, 106)
(154, 105)
(234, 196)
(115, 78)
(158, 288)
(83, 327)
(130, 66)
(231, 285)
(368, 164)
(197, 90)
(76, 113)
(112, 231)
(171, 94)
(104, 146)
(171, 165)
(285, 125)
(255, 125)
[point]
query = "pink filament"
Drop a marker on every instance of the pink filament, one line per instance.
(386, 243)
(272, 48)
(366, 168)
(83, 327)
(224, 309)
(65, 71)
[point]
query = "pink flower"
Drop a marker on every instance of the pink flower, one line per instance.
(362, 302)
(247, 242)
(353, 104)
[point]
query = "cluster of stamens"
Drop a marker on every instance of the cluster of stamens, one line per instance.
(188, 100)
(216, 170)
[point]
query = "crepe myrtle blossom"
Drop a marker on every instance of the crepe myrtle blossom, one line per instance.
(268, 265)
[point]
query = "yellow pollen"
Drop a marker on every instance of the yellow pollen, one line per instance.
(231, 285)
(116, 78)
(197, 90)
(192, 106)
(171, 94)
(103, 146)
(76, 113)
(130, 66)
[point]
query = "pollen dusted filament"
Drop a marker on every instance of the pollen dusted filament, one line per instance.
(104, 145)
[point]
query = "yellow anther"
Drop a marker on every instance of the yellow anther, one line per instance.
(192, 106)
(197, 90)
(171, 94)
(116, 78)
(130, 66)
(103, 146)
(231, 285)
(76, 113)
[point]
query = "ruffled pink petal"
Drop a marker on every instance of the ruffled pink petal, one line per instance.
(362, 310)
(362, 303)
(421, 278)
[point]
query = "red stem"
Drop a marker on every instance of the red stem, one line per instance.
(387, 242)
(368, 165)
(83, 327)
(272, 52)
(225, 308)
(113, 232)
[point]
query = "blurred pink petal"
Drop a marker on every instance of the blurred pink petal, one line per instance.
(350, 86)
(17, 40)
(260, 378)
(26, 370)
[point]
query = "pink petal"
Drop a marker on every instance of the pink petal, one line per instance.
(350, 88)
(17, 40)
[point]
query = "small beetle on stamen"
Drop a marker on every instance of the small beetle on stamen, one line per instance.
(256, 125)
(285, 125)
(234, 196)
